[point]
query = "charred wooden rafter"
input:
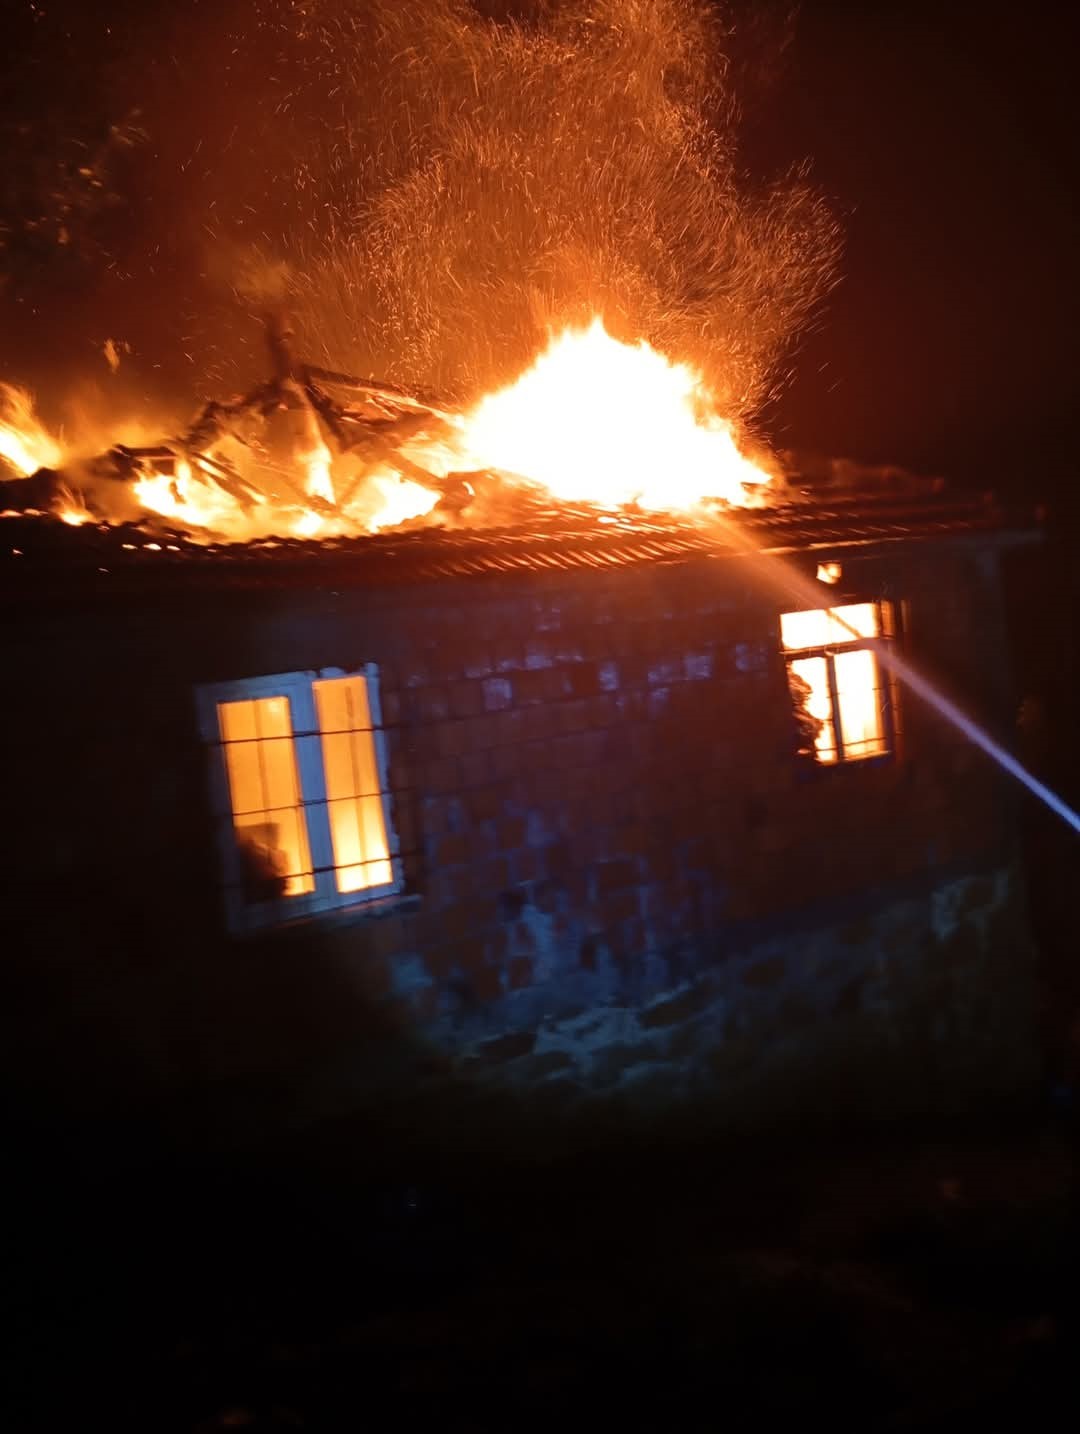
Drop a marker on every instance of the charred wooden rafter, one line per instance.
(373, 422)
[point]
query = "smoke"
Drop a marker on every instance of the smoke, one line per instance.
(499, 178)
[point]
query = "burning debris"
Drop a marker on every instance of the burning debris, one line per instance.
(316, 453)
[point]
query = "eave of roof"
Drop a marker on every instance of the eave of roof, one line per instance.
(43, 554)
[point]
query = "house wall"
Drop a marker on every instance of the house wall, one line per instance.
(623, 892)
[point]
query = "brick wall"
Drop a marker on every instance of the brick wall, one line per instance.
(620, 883)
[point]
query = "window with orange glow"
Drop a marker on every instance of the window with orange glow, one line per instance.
(264, 792)
(301, 794)
(354, 798)
(842, 697)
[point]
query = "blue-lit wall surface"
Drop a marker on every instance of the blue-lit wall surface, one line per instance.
(624, 893)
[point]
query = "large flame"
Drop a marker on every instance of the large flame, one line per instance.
(25, 443)
(185, 499)
(317, 464)
(595, 420)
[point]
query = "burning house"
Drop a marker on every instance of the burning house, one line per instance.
(534, 736)
(585, 805)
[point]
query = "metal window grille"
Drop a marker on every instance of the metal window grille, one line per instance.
(298, 778)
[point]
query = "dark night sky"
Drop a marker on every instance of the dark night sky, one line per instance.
(947, 134)
(944, 133)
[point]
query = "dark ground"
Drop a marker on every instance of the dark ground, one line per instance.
(900, 1284)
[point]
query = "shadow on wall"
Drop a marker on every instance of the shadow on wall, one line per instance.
(167, 1039)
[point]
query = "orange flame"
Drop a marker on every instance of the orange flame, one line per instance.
(600, 421)
(593, 420)
(25, 442)
(316, 463)
(399, 500)
(186, 498)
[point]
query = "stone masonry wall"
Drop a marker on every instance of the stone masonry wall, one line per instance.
(620, 882)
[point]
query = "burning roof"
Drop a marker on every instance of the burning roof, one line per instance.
(316, 453)
(494, 186)
(52, 559)
(607, 455)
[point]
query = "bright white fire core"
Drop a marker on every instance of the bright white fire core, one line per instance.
(600, 421)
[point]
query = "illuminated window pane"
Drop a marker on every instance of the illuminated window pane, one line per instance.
(237, 721)
(299, 793)
(337, 764)
(360, 878)
(245, 777)
(264, 792)
(860, 698)
(809, 681)
(279, 772)
(355, 807)
(358, 833)
(342, 704)
(373, 830)
(272, 716)
(825, 627)
(840, 697)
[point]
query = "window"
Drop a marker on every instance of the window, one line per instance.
(843, 700)
(299, 785)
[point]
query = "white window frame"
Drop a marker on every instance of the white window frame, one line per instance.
(297, 689)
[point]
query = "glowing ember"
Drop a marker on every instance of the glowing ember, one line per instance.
(24, 442)
(601, 421)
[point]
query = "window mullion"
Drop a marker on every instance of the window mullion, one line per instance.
(313, 790)
(382, 767)
(834, 703)
(883, 677)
